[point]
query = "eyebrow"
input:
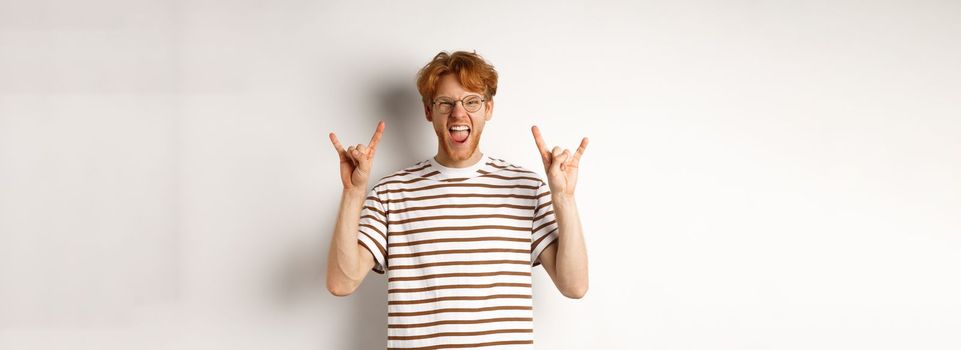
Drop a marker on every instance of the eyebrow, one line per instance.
(444, 96)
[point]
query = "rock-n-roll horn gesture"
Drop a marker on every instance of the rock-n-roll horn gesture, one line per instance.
(560, 165)
(356, 160)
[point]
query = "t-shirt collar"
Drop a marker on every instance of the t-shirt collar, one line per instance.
(468, 171)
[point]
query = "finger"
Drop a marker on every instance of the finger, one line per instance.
(374, 140)
(545, 156)
(554, 156)
(579, 152)
(352, 154)
(581, 149)
(362, 150)
(565, 159)
(358, 158)
(337, 146)
(558, 158)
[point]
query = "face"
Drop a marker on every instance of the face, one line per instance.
(449, 149)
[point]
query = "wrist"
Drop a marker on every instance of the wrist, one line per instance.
(563, 200)
(355, 192)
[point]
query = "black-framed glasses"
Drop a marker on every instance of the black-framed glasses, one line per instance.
(472, 103)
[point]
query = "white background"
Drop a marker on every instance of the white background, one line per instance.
(761, 174)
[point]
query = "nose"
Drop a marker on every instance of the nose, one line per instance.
(459, 110)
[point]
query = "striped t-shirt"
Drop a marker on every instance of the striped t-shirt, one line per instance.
(458, 246)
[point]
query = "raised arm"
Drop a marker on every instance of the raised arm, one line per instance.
(566, 261)
(348, 262)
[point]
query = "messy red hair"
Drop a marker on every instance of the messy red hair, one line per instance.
(471, 70)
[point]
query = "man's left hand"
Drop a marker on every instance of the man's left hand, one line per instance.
(560, 165)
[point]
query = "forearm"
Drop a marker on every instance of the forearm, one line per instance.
(344, 264)
(571, 257)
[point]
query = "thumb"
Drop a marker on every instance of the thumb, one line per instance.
(363, 164)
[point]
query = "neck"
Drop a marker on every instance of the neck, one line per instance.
(445, 159)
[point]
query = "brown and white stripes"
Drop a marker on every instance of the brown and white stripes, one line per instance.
(458, 246)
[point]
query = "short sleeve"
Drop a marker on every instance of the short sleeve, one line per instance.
(372, 230)
(543, 223)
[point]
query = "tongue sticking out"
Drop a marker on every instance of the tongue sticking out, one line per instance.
(459, 136)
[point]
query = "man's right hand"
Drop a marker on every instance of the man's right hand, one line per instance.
(356, 161)
(348, 261)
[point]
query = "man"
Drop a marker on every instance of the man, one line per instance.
(458, 234)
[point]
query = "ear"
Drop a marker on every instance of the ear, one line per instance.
(490, 109)
(427, 113)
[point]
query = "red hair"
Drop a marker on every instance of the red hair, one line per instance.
(471, 70)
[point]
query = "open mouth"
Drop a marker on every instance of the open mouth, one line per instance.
(459, 133)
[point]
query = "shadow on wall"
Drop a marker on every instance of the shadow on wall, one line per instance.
(301, 281)
(369, 304)
(397, 100)
(398, 104)
(402, 111)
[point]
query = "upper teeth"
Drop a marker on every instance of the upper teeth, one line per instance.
(460, 127)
